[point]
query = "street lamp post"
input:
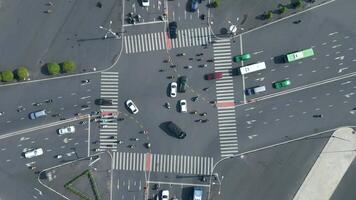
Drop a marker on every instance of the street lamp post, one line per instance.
(108, 30)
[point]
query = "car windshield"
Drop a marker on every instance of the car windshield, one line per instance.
(183, 103)
(165, 196)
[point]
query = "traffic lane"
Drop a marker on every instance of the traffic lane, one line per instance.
(70, 146)
(128, 185)
(287, 163)
(148, 13)
(181, 12)
(65, 101)
(290, 116)
(150, 94)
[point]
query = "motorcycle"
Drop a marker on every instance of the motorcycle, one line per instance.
(168, 106)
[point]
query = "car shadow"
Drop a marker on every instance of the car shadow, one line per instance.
(279, 59)
(164, 127)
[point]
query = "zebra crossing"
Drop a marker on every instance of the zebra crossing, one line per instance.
(159, 41)
(164, 163)
(108, 124)
(225, 99)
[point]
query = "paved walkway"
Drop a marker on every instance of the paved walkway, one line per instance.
(330, 167)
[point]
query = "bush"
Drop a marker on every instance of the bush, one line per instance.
(22, 73)
(7, 75)
(216, 3)
(297, 4)
(53, 68)
(269, 15)
(282, 9)
(0, 76)
(68, 66)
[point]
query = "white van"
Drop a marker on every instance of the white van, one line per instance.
(255, 90)
(65, 130)
(34, 153)
(37, 114)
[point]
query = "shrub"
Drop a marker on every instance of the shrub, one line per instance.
(216, 3)
(282, 9)
(269, 15)
(22, 73)
(7, 75)
(297, 4)
(68, 66)
(53, 68)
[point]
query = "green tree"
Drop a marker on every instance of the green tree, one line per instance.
(22, 73)
(68, 66)
(269, 15)
(216, 3)
(53, 68)
(7, 75)
(297, 4)
(0, 76)
(282, 9)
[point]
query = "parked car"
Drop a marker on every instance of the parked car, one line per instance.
(165, 195)
(194, 5)
(215, 75)
(174, 129)
(133, 108)
(33, 153)
(173, 92)
(65, 130)
(145, 3)
(281, 84)
(182, 83)
(103, 102)
(37, 114)
(183, 105)
(242, 57)
(173, 30)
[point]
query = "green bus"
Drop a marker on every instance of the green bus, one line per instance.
(290, 57)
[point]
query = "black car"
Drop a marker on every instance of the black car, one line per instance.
(182, 84)
(178, 132)
(103, 102)
(173, 30)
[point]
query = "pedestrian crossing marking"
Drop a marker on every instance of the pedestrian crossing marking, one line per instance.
(160, 41)
(164, 163)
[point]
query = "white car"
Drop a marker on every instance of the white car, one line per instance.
(165, 195)
(33, 153)
(65, 130)
(145, 3)
(183, 105)
(173, 92)
(133, 108)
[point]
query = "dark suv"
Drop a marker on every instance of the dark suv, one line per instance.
(182, 83)
(173, 30)
(103, 102)
(173, 128)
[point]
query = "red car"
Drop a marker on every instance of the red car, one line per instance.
(215, 75)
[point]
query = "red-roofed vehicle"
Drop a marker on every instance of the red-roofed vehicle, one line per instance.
(215, 75)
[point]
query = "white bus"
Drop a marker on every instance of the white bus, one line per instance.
(252, 68)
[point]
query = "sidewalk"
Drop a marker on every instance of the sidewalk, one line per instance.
(330, 167)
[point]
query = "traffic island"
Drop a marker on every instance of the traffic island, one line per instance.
(85, 179)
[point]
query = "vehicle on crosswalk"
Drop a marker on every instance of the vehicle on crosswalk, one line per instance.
(242, 57)
(215, 75)
(34, 153)
(183, 105)
(165, 195)
(103, 102)
(132, 107)
(65, 130)
(173, 88)
(281, 84)
(172, 28)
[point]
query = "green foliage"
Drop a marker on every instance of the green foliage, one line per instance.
(0, 76)
(68, 66)
(297, 4)
(216, 3)
(22, 73)
(7, 76)
(269, 15)
(282, 9)
(53, 68)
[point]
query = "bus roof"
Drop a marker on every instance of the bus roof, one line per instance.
(300, 55)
